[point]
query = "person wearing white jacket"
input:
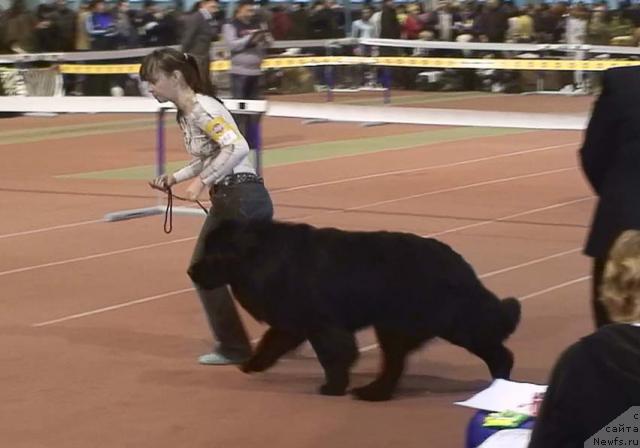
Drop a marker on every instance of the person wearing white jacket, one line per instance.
(221, 165)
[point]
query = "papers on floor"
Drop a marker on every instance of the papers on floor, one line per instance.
(505, 395)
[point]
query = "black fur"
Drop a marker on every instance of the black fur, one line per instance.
(322, 285)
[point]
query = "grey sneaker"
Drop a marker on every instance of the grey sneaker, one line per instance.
(218, 359)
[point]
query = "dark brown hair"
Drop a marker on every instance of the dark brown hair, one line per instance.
(167, 60)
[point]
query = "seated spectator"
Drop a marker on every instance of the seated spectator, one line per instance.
(598, 378)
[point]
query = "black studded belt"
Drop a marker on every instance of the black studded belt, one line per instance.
(239, 178)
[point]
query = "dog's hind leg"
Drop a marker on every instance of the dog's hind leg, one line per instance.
(337, 351)
(273, 344)
(395, 347)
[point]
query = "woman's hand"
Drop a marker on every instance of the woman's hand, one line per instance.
(195, 189)
(163, 182)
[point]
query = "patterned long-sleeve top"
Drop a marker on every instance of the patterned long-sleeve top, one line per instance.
(211, 136)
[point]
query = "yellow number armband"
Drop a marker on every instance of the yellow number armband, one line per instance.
(221, 131)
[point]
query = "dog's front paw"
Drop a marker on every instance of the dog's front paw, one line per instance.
(246, 367)
(252, 365)
(371, 393)
(333, 390)
(501, 363)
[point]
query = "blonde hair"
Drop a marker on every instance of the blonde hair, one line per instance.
(620, 290)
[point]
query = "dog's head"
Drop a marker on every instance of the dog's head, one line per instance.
(224, 247)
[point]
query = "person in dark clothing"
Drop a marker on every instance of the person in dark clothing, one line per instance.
(201, 28)
(19, 28)
(598, 378)
(322, 23)
(339, 18)
(299, 22)
(492, 24)
(65, 23)
(149, 21)
(46, 29)
(389, 26)
(169, 26)
(611, 162)
(545, 23)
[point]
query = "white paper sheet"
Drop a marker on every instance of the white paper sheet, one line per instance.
(505, 395)
(508, 438)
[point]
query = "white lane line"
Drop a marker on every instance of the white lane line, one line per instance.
(47, 229)
(553, 288)
(440, 191)
(417, 170)
(148, 246)
(94, 256)
(531, 262)
(112, 307)
(373, 346)
(506, 217)
(368, 348)
(321, 184)
(528, 296)
(180, 291)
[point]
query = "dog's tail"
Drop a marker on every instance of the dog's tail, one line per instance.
(510, 308)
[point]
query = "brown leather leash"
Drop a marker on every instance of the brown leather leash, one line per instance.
(168, 213)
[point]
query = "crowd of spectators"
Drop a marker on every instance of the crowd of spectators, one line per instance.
(102, 25)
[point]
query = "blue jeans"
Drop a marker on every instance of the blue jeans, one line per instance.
(248, 201)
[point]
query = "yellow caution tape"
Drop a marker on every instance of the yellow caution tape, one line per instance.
(99, 69)
(422, 62)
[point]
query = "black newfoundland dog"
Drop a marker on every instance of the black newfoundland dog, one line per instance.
(322, 285)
